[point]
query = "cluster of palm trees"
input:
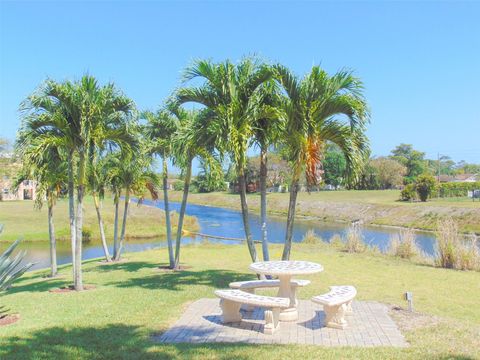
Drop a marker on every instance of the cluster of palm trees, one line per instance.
(82, 137)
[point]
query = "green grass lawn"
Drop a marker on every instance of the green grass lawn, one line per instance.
(21, 220)
(377, 207)
(134, 300)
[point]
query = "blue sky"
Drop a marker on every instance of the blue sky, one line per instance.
(420, 62)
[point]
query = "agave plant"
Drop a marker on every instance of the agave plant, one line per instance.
(10, 269)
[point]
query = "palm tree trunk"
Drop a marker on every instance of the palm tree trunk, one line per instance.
(183, 207)
(71, 210)
(246, 224)
(77, 280)
(263, 201)
(124, 224)
(291, 216)
(102, 229)
(115, 226)
(51, 234)
(167, 215)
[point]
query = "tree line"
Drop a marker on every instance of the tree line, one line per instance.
(79, 137)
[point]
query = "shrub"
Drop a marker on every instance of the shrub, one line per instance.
(468, 257)
(336, 241)
(453, 251)
(178, 185)
(409, 193)
(456, 189)
(311, 238)
(86, 235)
(403, 244)
(425, 185)
(354, 240)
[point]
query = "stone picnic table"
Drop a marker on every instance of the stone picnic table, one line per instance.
(285, 270)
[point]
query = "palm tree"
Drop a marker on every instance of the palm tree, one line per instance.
(160, 129)
(97, 183)
(194, 138)
(48, 169)
(228, 91)
(135, 176)
(78, 116)
(266, 129)
(316, 109)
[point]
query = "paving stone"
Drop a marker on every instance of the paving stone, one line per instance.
(370, 325)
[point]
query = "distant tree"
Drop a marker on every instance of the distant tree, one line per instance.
(368, 179)
(462, 167)
(425, 185)
(4, 145)
(210, 178)
(334, 166)
(412, 159)
(389, 173)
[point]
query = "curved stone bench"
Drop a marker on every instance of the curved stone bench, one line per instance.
(232, 300)
(251, 285)
(337, 303)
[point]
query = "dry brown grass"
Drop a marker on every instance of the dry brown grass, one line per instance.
(354, 240)
(454, 251)
(402, 244)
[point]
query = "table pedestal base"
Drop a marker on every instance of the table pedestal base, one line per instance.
(290, 314)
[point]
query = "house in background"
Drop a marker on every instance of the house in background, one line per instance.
(459, 178)
(25, 191)
(9, 169)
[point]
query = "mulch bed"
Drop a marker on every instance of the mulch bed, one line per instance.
(70, 288)
(408, 321)
(9, 319)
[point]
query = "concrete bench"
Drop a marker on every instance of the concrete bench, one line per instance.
(337, 303)
(232, 300)
(250, 286)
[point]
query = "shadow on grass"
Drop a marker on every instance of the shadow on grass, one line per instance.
(129, 266)
(114, 341)
(40, 285)
(183, 279)
(121, 342)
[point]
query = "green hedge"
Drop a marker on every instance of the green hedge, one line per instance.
(456, 189)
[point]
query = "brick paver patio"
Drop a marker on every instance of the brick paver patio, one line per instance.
(369, 326)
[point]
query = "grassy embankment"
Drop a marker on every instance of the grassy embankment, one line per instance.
(373, 207)
(21, 220)
(134, 300)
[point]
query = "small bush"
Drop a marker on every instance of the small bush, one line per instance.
(456, 189)
(409, 193)
(354, 240)
(468, 257)
(311, 238)
(178, 185)
(425, 186)
(403, 244)
(453, 251)
(336, 241)
(86, 235)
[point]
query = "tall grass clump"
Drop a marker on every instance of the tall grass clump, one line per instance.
(311, 238)
(403, 245)
(453, 251)
(354, 240)
(336, 241)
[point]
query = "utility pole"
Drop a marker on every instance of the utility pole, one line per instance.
(438, 167)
